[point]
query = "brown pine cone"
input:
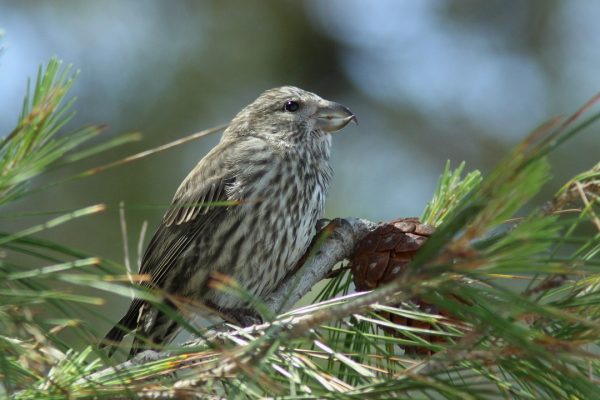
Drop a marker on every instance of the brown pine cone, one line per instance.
(384, 253)
(382, 256)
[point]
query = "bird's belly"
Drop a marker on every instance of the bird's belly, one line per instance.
(259, 244)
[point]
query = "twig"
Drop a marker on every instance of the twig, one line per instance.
(123, 221)
(588, 205)
(155, 150)
(140, 245)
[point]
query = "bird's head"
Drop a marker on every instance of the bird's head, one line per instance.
(290, 114)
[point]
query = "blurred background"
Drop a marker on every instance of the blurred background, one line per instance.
(429, 81)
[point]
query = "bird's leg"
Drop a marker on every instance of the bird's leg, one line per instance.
(244, 317)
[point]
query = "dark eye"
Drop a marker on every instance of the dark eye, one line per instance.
(291, 106)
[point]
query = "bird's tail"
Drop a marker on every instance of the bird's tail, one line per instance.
(152, 328)
(123, 327)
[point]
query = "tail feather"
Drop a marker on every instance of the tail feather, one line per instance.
(123, 327)
(156, 328)
(152, 328)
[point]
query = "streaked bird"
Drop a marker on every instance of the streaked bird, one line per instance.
(248, 210)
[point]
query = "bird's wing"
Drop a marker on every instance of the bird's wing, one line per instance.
(184, 222)
(200, 200)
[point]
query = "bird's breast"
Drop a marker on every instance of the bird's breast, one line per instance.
(270, 229)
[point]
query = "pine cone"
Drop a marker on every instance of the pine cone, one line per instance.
(384, 253)
(382, 256)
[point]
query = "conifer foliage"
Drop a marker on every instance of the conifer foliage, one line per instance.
(521, 283)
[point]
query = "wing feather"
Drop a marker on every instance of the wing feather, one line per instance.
(197, 203)
(190, 213)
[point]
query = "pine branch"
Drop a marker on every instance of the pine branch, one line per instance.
(340, 238)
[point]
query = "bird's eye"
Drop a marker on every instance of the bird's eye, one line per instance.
(291, 106)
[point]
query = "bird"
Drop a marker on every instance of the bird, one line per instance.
(247, 211)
